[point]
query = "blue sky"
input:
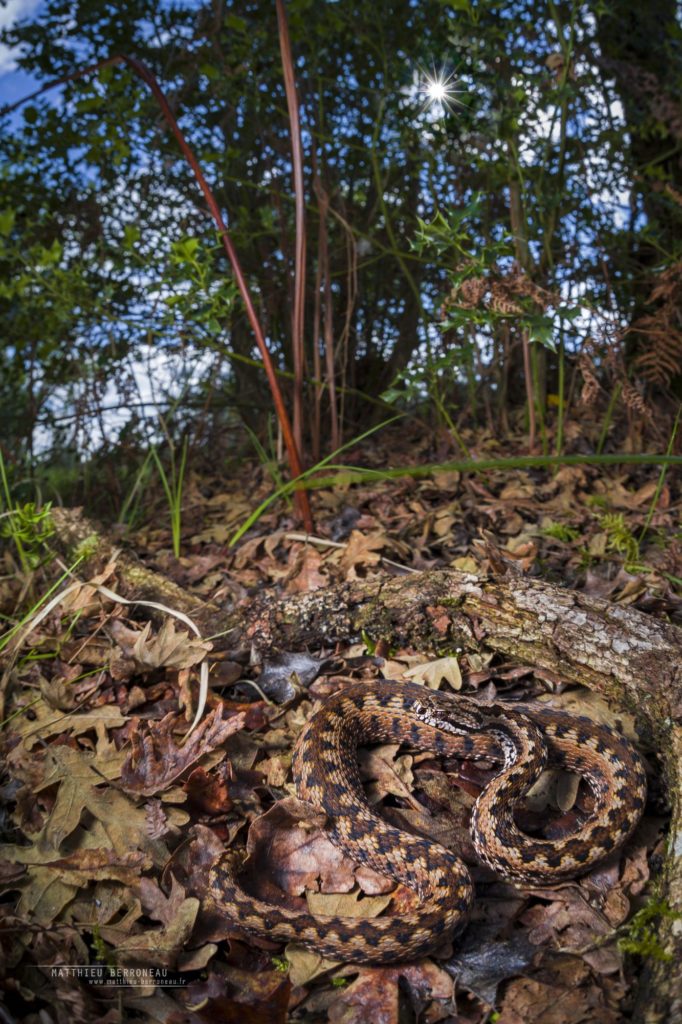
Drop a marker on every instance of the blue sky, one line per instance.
(14, 83)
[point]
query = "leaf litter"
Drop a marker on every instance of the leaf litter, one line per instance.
(113, 817)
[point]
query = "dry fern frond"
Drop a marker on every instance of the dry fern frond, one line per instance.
(662, 360)
(591, 386)
(634, 400)
(471, 292)
(500, 293)
(501, 300)
(521, 284)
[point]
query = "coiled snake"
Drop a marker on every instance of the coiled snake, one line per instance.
(527, 736)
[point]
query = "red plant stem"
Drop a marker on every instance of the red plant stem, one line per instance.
(146, 75)
(317, 362)
(530, 390)
(299, 262)
(329, 355)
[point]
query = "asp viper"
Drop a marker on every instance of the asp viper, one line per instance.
(529, 737)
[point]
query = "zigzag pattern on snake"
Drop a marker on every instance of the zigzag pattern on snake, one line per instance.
(527, 737)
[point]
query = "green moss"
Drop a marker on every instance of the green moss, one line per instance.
(641, 937)
(560, 531)
(103, 954)
(451, 602)
(87, 548)
(619, 536)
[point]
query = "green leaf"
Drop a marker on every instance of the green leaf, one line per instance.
(210, 71)
(234, 22)
(131, 235)
(185, 249)
(7, 218)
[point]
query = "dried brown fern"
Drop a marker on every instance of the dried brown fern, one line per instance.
(662, 359)
(498, 292)
(635, 401)
(591, 386)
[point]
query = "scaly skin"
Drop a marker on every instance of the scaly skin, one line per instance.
(528, 736)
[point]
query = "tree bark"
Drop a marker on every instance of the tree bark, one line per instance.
(633, 659)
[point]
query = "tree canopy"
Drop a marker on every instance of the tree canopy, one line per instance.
(489, 253)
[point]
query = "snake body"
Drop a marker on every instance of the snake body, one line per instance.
(525, 737)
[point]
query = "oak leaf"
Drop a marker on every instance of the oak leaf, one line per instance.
(432, 673)
(156, 760)
(169, 648)
(362, 549)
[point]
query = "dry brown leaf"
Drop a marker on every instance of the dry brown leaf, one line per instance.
(362, 550)
(571, 924)
(566, 996)
(234, 995)
(373, 996)
(42, 721)
(432, 673)
(346, 904)
(581, 701)
(157, 821)
(307, 575)
(210, 791)
(465, 563)
(305, 964)
(554, 788)
(388, 773)
(103, 903)
(44, 895)
(275, 769)
(161, 947)
(169, 648)
(156, 904)
(395, 668)
(636, 871)
(289, 852)
(156, 761)
(79, 777)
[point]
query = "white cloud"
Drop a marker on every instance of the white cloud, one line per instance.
(14, 11)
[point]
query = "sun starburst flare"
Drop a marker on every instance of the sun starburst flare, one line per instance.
(439, 91)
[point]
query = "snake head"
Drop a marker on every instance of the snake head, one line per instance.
(457, 716)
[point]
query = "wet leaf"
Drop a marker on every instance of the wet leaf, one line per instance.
(281, 675)
(483, 960)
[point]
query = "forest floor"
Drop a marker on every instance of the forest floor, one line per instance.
(111, 824)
